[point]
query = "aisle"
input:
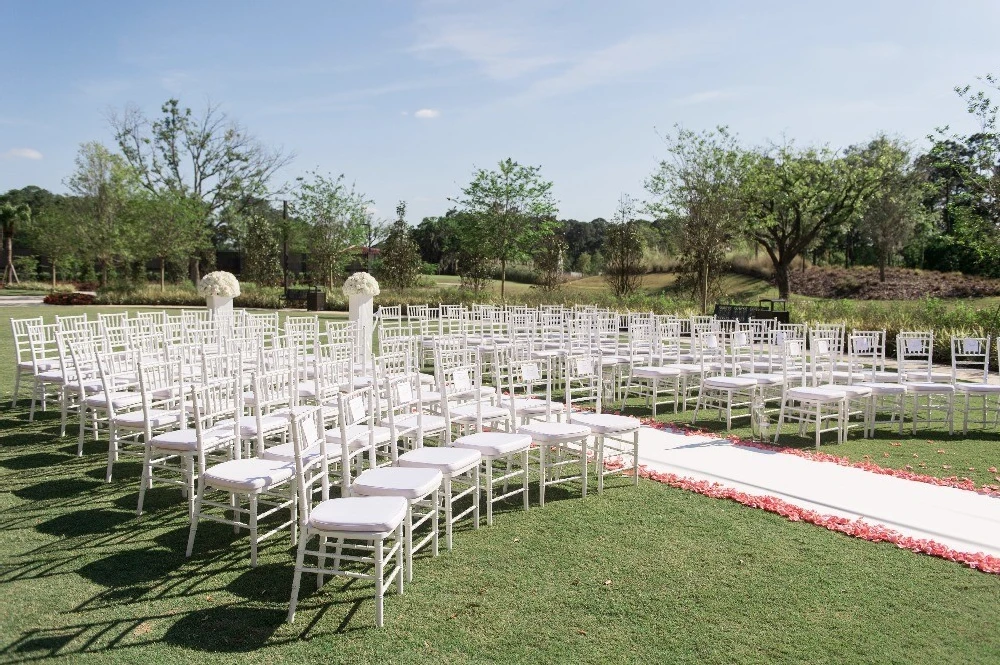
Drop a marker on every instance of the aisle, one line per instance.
(962, 520)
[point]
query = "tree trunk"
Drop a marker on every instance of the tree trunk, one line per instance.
(162, 287)
(104, 274)
(53, 275)
(781, 278)
(194, 268)
(881, 268)
(503, 277)
(703, 287)
(11, 273)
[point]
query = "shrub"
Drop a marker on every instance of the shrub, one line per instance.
(26, 267)
(69, 299)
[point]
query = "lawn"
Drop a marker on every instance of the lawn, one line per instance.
(650, 574)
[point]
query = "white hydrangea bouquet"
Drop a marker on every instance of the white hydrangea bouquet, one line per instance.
(360, 284)
(219, 283)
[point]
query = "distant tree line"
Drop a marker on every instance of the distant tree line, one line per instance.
(176, 187)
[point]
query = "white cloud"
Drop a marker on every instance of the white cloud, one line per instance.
(22, 153)
(427, 113)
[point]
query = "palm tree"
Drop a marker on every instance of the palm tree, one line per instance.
(10, 215)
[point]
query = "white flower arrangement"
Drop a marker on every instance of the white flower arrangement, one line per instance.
(360, 284)
(219, 283)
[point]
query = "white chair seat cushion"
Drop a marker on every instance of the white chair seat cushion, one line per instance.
(289, 413)
(356, 383)
(465, 412)
(248, 475)
(157, 418)
(921, 376)
(851, 390)
(729, 382)
(977, 387)
(554, 432)
(447, 460)
(307, 389)
(429, 395)
(696, 368)
(407, 423)
(43, 365)
(765, 379)
(606, 423)
(409, 483)
(361, 514)
(53, 376)
(884, 388)
(117, 400)
(494, 444)
(268, 424)
(357, 435)
(885, 377)
(541, 354)
(427, 379)
(930, 387)
(807, 394)
(186, 440)
(849, 376)
(285, 452)
(533, 405)
(651, 372)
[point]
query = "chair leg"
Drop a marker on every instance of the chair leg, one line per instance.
(297, 579)
(147, 472)
(17, 389)
(489, 491)
(112, 450)
(194, 520)
(253, 530)
(379, 581)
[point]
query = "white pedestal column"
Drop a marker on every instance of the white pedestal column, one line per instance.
(220, 306)
(362, 311)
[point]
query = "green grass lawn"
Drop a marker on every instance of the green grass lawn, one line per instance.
(649, 574)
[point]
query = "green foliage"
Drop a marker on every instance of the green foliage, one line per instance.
(698, 191)
(103, 184)
(336, 215)
(548, 259)
(262, 248)
(510, 211)
(27, 267)
(400, 263)
(624, 267)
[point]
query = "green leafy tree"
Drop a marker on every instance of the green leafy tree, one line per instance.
(54, 236)
(549, 259)
(400, 255)
(699, 186)
(103, 184)
(209, 157)
(262, 247)
(170, 228)
(793, 195)
(12, 217)
(510, 209)
(337, 216)
(624, 246)
(895, 209)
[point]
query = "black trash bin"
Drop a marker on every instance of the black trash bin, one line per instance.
(316, 299)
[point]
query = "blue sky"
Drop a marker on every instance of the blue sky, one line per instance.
(406, 98)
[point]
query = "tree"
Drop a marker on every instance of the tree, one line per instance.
(400, 255)
(336, 215)
(699, 187)
(793, 195)
(893, 211)
(513, 208)
(12, 217)
(210, 158)
(623, 265)
(262, 245)
(54, 236)
(170, 227)
(548, 259)
(103, 184)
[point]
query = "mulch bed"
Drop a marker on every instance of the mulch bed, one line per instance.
(900, 284)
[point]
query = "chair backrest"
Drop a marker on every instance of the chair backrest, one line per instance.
(212, 404)
(970, 354)
(70, 322)
(823, 356)
(22, 341)
(308, 437)
(866, 351)
(915, 355)
(44, 345)
(582, 381)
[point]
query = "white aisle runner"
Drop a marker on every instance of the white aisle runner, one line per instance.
(962, 520)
